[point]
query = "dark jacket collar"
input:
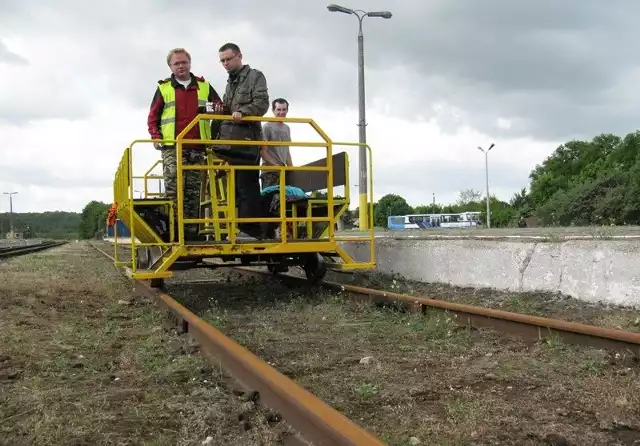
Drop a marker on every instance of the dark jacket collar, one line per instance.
(240, 73)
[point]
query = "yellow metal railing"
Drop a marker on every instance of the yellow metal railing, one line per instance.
(123, 186)
(149, 176)
(232, 220)
(370, 216)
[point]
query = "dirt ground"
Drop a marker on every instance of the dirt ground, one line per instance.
(536, 304)
(413, 379)
(422, 380)
(82, 363)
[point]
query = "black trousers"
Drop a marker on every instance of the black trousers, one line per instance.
(249, 201)
(247, 184)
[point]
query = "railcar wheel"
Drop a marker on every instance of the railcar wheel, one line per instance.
(315, 268)
(142, 257)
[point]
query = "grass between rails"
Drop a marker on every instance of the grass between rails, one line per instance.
(80, 363)
(424, 377)
(532, 303)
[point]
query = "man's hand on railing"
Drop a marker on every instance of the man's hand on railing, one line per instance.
(237, 116)
(158, 145)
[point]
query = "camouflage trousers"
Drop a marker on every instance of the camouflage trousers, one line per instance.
(192, 180)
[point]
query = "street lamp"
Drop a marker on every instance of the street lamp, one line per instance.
(10, 211)
(364, 222)
(486, 173)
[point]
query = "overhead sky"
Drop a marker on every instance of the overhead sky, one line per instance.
(442, 77)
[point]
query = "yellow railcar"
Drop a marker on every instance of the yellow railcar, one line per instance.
(158, 244)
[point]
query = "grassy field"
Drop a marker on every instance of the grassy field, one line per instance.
(413, 378)
(83, 363)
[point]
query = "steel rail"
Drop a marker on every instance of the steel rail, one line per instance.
(14, 251)
(529, 327)
(313, 420)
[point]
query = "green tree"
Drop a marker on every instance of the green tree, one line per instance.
(390, 204)
(92, 219)
(587, 183)
(427, 209)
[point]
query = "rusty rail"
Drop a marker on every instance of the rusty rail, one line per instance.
(314, 421)
(526, 326)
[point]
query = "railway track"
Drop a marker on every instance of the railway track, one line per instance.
(529, 327)
(13, 251)
(314, 421)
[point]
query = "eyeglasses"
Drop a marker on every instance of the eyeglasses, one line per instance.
(227, 59)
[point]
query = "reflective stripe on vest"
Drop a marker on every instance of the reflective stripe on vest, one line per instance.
(168, 117)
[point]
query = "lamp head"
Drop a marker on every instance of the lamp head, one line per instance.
(383, 14)
(338, 8)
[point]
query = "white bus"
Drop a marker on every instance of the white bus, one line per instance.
(429, 221)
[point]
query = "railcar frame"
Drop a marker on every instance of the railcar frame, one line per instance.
(157, 224)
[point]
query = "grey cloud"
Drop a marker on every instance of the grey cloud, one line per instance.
(549, 66)
(34, 109)
(48, 178)
(9, 57)
(547, 63)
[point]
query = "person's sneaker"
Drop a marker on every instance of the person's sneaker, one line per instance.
(244, 237)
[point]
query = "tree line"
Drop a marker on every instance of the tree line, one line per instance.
(502, 213)
(581, 183)
(58, 225)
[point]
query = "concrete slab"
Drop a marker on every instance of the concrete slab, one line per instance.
(591, 270)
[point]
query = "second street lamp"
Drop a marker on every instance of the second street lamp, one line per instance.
(486, 173)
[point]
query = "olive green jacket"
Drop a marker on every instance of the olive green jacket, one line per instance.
(247, 92)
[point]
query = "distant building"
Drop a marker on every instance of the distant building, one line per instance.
(123, 231)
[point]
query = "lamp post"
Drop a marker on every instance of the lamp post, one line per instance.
(364, 221)
(11, 194)
(486, 173)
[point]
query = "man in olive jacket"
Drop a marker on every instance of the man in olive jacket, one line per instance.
(246, 94)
